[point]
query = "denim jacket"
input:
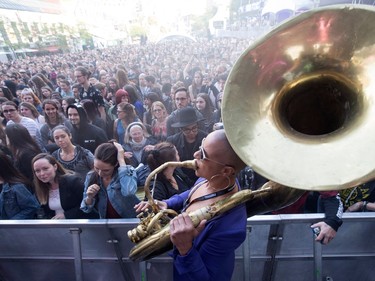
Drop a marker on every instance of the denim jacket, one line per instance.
(121, 193)
(17, 202)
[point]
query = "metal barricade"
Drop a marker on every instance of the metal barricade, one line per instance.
(277, 247)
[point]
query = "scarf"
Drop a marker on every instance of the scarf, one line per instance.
(137, 148)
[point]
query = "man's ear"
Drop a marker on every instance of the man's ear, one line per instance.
(229, 171)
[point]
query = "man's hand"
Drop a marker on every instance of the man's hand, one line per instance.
(326, 234)
(183, 232)
(145, 205)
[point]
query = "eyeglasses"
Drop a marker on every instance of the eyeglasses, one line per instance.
(193, 129)
(9, 110)
(203, 156)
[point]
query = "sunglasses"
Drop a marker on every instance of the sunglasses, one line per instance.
(204, 157)
(193, 129)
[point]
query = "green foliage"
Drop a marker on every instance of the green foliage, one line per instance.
(45, 29)
(136, 30)
(4, 33)
(83, 32)
(16, 32)
(199, 24)
(61, 39)
(61, 27)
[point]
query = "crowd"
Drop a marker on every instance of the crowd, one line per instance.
(157, 102)
(80, 132)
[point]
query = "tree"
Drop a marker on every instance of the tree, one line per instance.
(136, 31)
(17, 32)
(199, 24)
(61, 39)
(85, 35)
(4, 33)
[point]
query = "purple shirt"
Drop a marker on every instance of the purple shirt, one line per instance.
(212, 256)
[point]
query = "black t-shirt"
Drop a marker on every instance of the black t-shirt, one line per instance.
(92, 94)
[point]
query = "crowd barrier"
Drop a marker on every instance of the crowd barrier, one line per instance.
(277, 247)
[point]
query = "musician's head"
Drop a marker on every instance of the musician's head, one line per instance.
(216, 156)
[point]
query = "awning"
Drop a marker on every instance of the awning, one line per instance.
(176, 37)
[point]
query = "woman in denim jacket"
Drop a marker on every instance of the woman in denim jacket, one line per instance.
(110, 189)
(16, 200)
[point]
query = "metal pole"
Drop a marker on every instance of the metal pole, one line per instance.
(77, 253)
(142, 270)
(317, 260)
(246, 255)
(125, 268)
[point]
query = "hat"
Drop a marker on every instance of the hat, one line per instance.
(186, 116)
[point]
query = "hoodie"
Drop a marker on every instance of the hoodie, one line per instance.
(87, 135)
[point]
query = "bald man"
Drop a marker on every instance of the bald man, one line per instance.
(207, 252)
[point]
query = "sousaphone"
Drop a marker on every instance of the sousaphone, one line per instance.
(298, 108)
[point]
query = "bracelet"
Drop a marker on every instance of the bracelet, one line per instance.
(364, 207)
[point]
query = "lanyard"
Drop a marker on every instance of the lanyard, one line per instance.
(207, 196)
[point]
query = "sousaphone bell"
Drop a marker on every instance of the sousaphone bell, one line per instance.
(298, 105)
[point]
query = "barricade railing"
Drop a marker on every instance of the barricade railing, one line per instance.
(277, 247)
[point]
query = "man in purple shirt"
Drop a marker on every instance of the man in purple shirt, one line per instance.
(207, 251)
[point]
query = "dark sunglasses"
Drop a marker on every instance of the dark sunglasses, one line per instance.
(203, 156)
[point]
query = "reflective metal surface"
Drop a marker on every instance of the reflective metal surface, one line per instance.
(298, 105)
(37, 250)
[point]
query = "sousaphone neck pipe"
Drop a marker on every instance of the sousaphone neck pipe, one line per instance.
(190, 164)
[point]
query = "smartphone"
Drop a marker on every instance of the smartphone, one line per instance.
(316, 231)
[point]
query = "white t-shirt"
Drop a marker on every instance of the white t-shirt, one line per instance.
(29, 124)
